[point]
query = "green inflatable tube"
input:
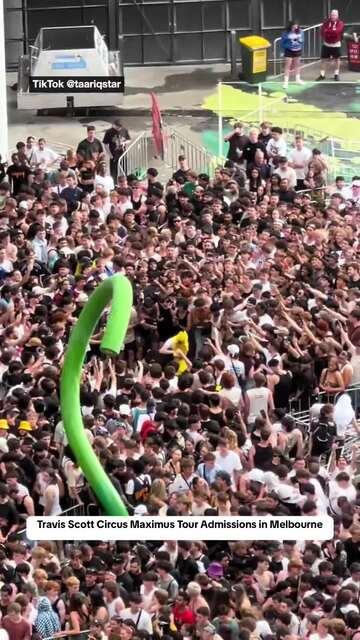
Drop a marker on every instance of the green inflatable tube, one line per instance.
(118, 290)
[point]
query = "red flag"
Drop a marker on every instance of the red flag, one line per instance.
(157, 126)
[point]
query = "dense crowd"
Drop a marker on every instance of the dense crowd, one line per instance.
(246, 304)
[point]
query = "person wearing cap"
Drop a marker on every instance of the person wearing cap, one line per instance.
(208, 632)
(116, 140)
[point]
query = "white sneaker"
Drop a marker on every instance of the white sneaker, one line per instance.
(299, 81)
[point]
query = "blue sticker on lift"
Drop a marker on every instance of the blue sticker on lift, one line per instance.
(69, 62)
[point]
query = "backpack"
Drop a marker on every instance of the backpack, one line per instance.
(141, 490)
(323, 434)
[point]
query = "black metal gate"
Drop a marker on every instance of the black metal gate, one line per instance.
(165, 31)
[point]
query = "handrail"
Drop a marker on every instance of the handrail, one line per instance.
(277, 58)
(311, 49)
(135, 156)
(199, 158)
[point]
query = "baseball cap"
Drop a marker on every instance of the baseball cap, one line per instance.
(124, 410)
(356, 183)
(256, 475)
(209, 628)
(233, 349)
(23, 205)
(140, 510)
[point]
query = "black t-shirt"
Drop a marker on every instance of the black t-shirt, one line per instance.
(180, 173)
(72, 196)
(286, 196)
(18, 174)
(250, 149)
(352, 550)
(237, 143)
(88, 149)
(8, 516)
(115, 139)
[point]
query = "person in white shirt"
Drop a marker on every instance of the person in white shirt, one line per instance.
(286, 172)
(103, 180)
(137, 614)
(184, 480)
(276, 147)
(322, 632)
(341, 487)
(114, 603)
(228, 461)
(299, 159)
(44, 157)
(148, 588)
(29, 150)
(353, 192)
(258, 399)
(354, 575)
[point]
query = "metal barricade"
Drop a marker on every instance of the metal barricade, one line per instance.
(311, 50)
(303, 417)
(135, 158)
(199, 158)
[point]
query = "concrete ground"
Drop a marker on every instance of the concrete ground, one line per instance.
(181, 91)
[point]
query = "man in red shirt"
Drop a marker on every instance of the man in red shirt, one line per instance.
(332, 31)
(14, 623)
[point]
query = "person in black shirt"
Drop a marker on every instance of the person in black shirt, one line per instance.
(182, 171)
(153, 186)
(18, 173)
(72, 193)
(115, 140)
(3, 166)
(90, 148)
(252, 146)
(237, 141)
(265, 132)
(9, 517)
(286, 194)
(260, 164)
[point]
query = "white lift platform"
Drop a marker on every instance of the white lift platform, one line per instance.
(67, 52)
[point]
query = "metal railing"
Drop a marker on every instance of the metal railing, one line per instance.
(75, 510)
(303, 416)
(135, 158)
(311, 50)
(198, 157)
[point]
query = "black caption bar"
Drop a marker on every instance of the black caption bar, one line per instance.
(80, 84)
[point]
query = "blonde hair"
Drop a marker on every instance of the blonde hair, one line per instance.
(40, 574)
(72, 581)
(158, 489)
(231, 438)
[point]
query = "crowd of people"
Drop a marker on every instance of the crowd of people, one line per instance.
(246, 304)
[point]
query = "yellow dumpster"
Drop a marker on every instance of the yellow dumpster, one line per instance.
(254, 58)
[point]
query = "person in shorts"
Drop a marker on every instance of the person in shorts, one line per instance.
(332, 31)
(292, 42)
